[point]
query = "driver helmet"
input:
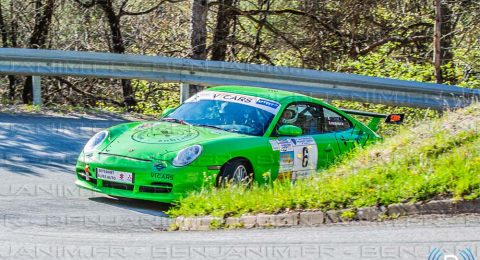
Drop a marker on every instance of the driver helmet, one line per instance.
(289, 116)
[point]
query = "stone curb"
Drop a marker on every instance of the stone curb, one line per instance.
(316, 218)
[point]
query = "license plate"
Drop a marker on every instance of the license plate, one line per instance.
(116, 176)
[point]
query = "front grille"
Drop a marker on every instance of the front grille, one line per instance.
(162, 184)
(162, 187)
(91, 180)
(116, 185)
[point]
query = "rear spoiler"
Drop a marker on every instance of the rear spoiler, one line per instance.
(376, 117)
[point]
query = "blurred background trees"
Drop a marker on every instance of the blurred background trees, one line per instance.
(425, 40)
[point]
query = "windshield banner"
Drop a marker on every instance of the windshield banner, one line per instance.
(261, 103)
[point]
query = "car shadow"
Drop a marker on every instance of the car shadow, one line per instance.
(142, 206)
(31, 144)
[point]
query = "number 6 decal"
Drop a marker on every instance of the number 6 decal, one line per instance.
(305, 157)
(297, 155)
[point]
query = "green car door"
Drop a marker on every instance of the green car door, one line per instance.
(314, 149)
(346, 133)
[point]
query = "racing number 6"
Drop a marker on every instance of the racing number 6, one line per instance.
(305, 157)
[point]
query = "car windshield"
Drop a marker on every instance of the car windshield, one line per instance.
(226, 111)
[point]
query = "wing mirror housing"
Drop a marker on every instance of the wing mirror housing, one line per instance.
(167, 111)
(289, 130)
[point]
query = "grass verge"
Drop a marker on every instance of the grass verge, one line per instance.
(436, 159)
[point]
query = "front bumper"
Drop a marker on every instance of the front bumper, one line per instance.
(163, 184)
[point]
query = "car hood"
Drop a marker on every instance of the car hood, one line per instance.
(151, 140)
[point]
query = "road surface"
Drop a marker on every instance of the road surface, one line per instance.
(44, 216)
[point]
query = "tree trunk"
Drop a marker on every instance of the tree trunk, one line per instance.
(6, 42)
(447, 34)
(43, 18)
(198, 39)
(442, 42)
(3, 28)
(222, 30)
(12, 80)
(199, 29)
(437, 50)
(118, 46)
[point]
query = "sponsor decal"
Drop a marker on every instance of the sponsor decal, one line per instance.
(286, 161)
(298, 155)
(286, 147)
(268, 103)
(261, 103)
(117, 176)
(336, 123)
(302, 174)
(274, 144)
(162, 176)
(159, 166)
(284, 176)
(233, 97)
(165, 134)
(303, 140)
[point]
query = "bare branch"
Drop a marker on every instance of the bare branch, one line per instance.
(90, 95)
(274, 12)
(274, 30)
(122, 6)
(86, 5)
(399, 39)
(130, 13)
(326, 25)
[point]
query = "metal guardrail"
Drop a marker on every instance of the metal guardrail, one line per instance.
(327, 85)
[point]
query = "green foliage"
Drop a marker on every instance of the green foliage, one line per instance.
(153, 98)
(382, 64)
(439, 158)
(215, 224)
(348, 214)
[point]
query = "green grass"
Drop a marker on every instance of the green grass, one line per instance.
(436, 159)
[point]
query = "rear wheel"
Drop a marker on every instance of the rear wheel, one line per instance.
(235, 172)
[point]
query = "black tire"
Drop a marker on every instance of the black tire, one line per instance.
(235, 172)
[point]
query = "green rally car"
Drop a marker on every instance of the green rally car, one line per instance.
(224, 134)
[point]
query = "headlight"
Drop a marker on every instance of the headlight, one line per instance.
(95, 141)
(187, 155)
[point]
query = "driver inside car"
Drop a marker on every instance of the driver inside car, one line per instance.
(289, 116)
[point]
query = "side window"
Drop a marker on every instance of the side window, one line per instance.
(306, 116)
(334, 122)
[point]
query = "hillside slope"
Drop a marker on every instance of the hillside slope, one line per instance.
(436, 159)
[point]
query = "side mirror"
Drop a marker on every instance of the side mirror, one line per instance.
(167, 111)
(289, 130)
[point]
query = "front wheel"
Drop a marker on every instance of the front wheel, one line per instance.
(236, 172)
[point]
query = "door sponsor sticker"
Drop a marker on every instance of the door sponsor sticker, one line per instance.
(286, 161)
(116, 176)
(298, 155)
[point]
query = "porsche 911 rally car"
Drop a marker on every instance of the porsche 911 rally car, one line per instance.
(228, 134)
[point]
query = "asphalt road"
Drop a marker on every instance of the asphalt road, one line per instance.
(44, 216)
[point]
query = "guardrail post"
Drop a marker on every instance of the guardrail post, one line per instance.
(184, 92)
(37, 90)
